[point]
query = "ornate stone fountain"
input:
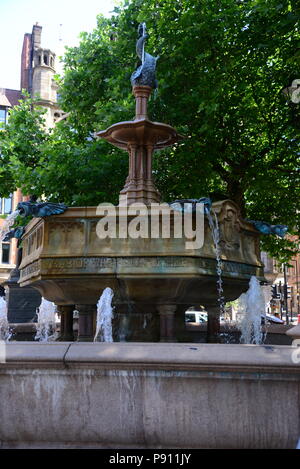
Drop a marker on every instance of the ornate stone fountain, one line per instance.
(131, 395)
(155, 279)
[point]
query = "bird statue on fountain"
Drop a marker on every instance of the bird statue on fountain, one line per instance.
(144, 75)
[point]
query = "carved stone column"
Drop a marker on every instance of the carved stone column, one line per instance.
(86, 322)
(139, 186)
(167, 323)
(213, 324)
(141, 94)
(66, 322)
(140, 137)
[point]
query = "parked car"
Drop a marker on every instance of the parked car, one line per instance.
(196, 316)
(273, 319)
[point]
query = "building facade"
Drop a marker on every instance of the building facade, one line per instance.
(281, 275)
(37, 74)
(8, 251)
(37, 78)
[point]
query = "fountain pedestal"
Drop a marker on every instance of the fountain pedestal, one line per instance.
(66, 322)
(140, 137)
(86, 322)
(167, 323)
(213, 324)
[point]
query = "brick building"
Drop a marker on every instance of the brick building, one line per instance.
(8, 251)
(293, 278)
(274, 273)
(37, 77)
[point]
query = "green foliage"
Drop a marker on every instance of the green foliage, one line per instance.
(20, 144)
(59, 165)
(222, 70)
(80, 172)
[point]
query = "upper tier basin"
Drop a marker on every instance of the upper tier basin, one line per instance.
(140, 132)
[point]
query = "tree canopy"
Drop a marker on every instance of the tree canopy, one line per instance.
(222, 72)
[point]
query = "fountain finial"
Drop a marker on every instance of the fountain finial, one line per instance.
(141, 137)
(144, 75)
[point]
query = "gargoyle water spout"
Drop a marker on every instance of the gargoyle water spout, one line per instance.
(15, 233)
(178, 204)
(40, 209)
(267, 229)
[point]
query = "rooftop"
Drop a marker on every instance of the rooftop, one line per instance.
(9, 97)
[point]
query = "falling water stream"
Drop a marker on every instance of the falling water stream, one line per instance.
(104, 316)
(123, 328)
(214, 226)
(251, 310)
(45, 327)
(5, 332)
(251, 304)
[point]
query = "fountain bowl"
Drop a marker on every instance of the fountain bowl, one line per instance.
(66, 261)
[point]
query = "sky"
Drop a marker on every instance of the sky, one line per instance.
(62, 21)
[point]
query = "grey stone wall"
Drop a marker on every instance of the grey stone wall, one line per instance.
(68, 395)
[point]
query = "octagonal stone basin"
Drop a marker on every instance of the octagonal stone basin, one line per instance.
(151, 278)
(140, 132)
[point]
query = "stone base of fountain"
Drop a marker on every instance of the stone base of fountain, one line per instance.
(153, 279)
(230, 334)
(21, 302)
(75, 395)
(190, 332)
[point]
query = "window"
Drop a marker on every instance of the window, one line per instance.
(5, 253)
(2, 116)
(5, 205)
(45, 60)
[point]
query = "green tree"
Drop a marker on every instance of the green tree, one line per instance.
(222, 70)
(20, 145)
(60, 164)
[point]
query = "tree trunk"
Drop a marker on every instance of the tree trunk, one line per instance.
(236, 193)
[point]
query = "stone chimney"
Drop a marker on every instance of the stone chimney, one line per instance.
(36, 36)
(26, 62)
(31, 42)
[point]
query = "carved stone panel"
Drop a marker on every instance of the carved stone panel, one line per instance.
(65, 237)
(230, 231)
